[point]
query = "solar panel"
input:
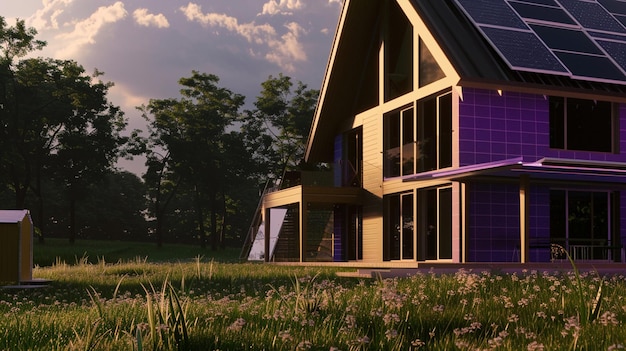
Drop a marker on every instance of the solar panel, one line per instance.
(585, 39)
(617, 50)
(542, 13)
(614, 7)
(591, 66)
(592, 15)
(542, 2)
(490, 12)
(566, 39)
(523, 50)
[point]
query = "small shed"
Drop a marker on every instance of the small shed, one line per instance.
(16, 246)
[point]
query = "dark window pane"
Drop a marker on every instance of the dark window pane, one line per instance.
(408, 142)
(399, 53)
(392, 144)
(557, 122)
(589, 125)
(445, 131)
(429, 70)
(407, 226)
(445, 223)
(427, 135)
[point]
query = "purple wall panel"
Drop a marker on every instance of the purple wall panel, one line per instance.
(496, 127)
(493, 223)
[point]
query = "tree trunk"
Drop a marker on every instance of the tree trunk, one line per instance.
(72, 219)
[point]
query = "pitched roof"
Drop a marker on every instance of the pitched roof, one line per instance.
(474, 59)
(13, 216)
(478, 63)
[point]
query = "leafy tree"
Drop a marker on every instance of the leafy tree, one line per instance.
(15, 42)
(189, 133)
(286, 112)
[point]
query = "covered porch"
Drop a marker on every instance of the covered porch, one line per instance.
(308, 224)
(540, 211)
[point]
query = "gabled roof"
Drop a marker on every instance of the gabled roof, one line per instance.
(13, 216)
(474, 59)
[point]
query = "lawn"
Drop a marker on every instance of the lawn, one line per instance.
(213, 303)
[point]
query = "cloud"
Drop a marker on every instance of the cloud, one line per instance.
(46, 18)
(86, 30)
(287, 50)
(143, 18)
(340, 2)
(283, 7)
(283, 51)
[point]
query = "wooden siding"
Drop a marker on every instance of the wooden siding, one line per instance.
(372, 184)
(9, 252)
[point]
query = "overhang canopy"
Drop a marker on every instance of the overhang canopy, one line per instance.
(546, 169)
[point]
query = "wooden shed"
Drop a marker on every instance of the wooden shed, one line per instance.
(16, 246)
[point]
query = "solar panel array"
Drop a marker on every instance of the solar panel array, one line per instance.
(583, 39)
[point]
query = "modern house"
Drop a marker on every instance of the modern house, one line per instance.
(462, 131)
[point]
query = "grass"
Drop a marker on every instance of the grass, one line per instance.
(93, 251)
(187, 303)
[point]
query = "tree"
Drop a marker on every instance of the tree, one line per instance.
(189, 133)
(89, 142)
(287, 114)
(15, 42)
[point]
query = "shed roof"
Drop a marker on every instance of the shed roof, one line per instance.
(13, 216)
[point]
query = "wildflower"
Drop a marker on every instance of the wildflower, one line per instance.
(237, 325)
(417, 343)
(616, 347)
(438, 308)
(513, 318)
(285, 335)
(389, 318)
(391, 334)
(143, 326)
(535, 346)
(304, 345)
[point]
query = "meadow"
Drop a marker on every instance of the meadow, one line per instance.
(214, 303)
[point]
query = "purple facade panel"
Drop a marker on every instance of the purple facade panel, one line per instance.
(493, 223)
(495, 127)
(337, 244)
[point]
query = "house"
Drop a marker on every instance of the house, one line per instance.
(463, 131)
(16, 246)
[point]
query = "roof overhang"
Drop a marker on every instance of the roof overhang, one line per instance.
(545, 169)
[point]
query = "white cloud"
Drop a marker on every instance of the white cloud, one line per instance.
(283, 50)
(143, 18)
(86, 30)
(46, 17)
(340, 2)
(284, 7)
(287, 50)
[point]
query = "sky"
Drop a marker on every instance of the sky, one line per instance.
(144, 46)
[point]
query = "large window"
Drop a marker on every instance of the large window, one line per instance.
(582, 222)
(398, 53)
(583, 125)
(399, 227)
(419, 142)
(422, 233)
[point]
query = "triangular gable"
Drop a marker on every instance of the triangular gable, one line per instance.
(357, 29)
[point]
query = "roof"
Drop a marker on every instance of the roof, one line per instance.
(545, 169)
(477, 62)
(13, 216)
(474, 59)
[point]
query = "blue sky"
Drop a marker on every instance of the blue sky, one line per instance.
(145, 46)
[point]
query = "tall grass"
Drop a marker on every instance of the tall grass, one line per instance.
(200, 304)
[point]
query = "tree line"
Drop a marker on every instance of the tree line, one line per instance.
(207, 158)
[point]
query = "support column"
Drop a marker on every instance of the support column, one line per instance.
(265, 212)
(524, 214)
(302, 225)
